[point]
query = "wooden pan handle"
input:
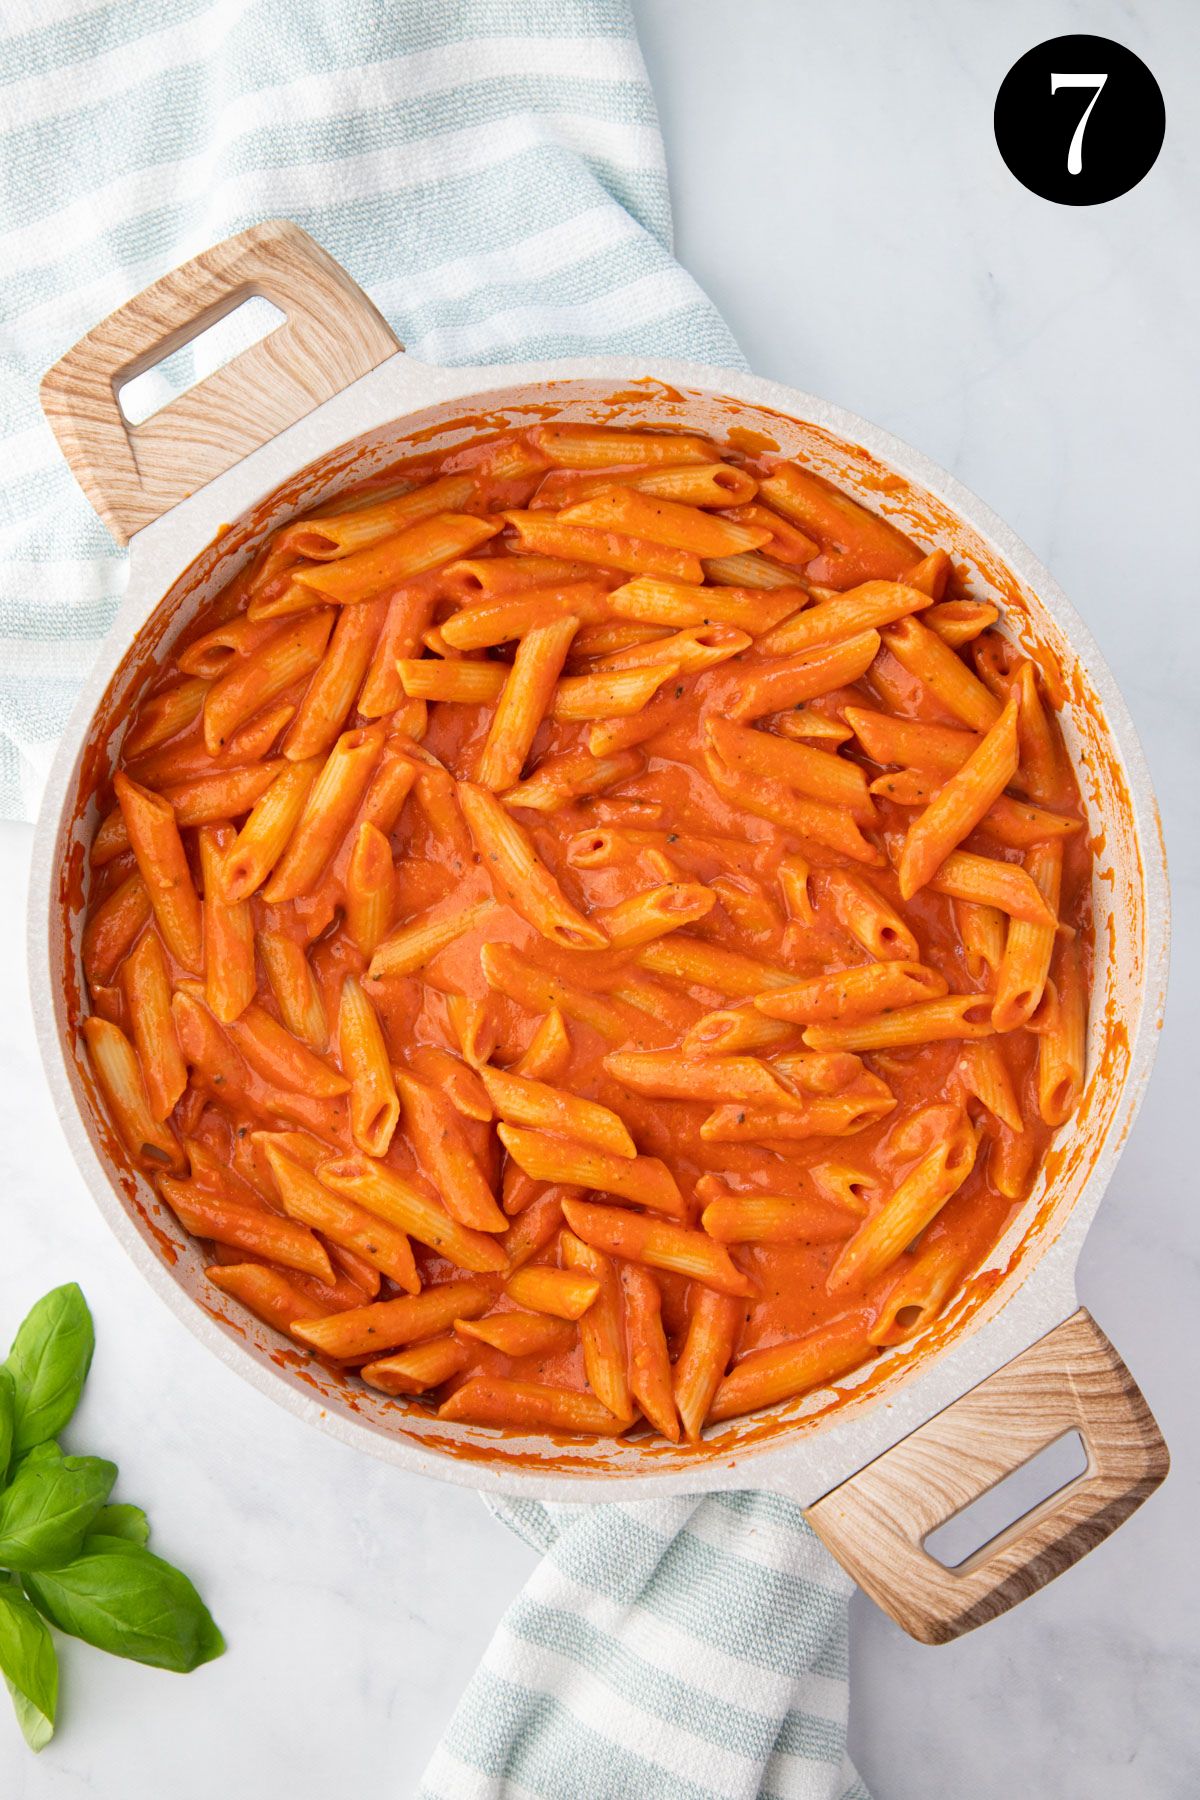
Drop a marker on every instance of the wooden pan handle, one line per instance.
(330, 336)
(876, 1522)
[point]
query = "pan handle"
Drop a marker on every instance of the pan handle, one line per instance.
(331, 335)
(876, 1522)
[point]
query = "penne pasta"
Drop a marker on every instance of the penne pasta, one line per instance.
(649, 1358)
(268, 1293)
(748, 569)
(926, 1022)
(474, 1025)
(331, 804)
(616, 693)
(119, 1074)
(425, 545)
(653, 913)
(112, 928)
(509, 973)
(566, 1293)
(988, 882)
(147, 991)
(598, 447)
(367, 1330)
(983, 930)
(521, 882)
(534, 1227)
(293, 988)
(857, 545)
(519, 1334)
(418, 941)
(1025, 963)
(164, 715)
(280, 1058)
(286, 655)
(335, 684)
(819, 774)
(959, 806)
(163, 865)
(549, 1049)
(362, 1052)
(602, 1328)
(918, 1200)
(329, 537)
(532, 1405)
(341, 1222)
(442, 1070)
(569, 777)
(249, 1228)
(774, 1219)
(523, 703)
(830, 825)
(785, 1371)
(660, 1243)
(382, 1191)
(262, 840)
(518, 1100)
(547, 536)
(370, 888)
(694, 648)
(848, 994)
(443, 1153)
(959, 622)
(946, 676)
(230, 977)
(518, 875)
(1062, 1045)
(643, 1179)
(821, 1115)
(865, 608)
(415, 1371)
(657, 601)
(775, 685)
(713, 1326)
(661, 521)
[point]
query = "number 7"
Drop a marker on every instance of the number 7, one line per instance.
(1075, 153)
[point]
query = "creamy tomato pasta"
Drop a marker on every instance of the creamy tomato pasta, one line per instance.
(592, 931)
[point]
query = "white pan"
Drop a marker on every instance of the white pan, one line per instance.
(1014, 1363)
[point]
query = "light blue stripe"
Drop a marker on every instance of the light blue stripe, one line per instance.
(782, 1622)
(550, 1751)
(71, 41)
(413, 229)
(665, 1694)
(810, 1738)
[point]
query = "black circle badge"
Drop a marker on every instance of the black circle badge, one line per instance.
(1079, 120)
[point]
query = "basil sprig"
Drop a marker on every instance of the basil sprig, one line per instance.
(67, 1554)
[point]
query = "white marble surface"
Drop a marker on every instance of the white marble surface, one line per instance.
(839, 193)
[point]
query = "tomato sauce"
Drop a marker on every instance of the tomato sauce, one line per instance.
(670, 809)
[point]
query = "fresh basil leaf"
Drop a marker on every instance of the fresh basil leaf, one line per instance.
(8, 1421)
(49, 1452)
(123, 1599)
(36, 1728)
(47, 1508)
(123, 1521)
(29, 1665)
(48, 1362)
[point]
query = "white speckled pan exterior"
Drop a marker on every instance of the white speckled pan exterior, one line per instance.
(805, 1448)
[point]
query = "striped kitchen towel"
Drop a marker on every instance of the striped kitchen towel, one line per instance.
(492, 173)
(666, 1650)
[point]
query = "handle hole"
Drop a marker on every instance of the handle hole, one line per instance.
(974, 1529)
(208, 350)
